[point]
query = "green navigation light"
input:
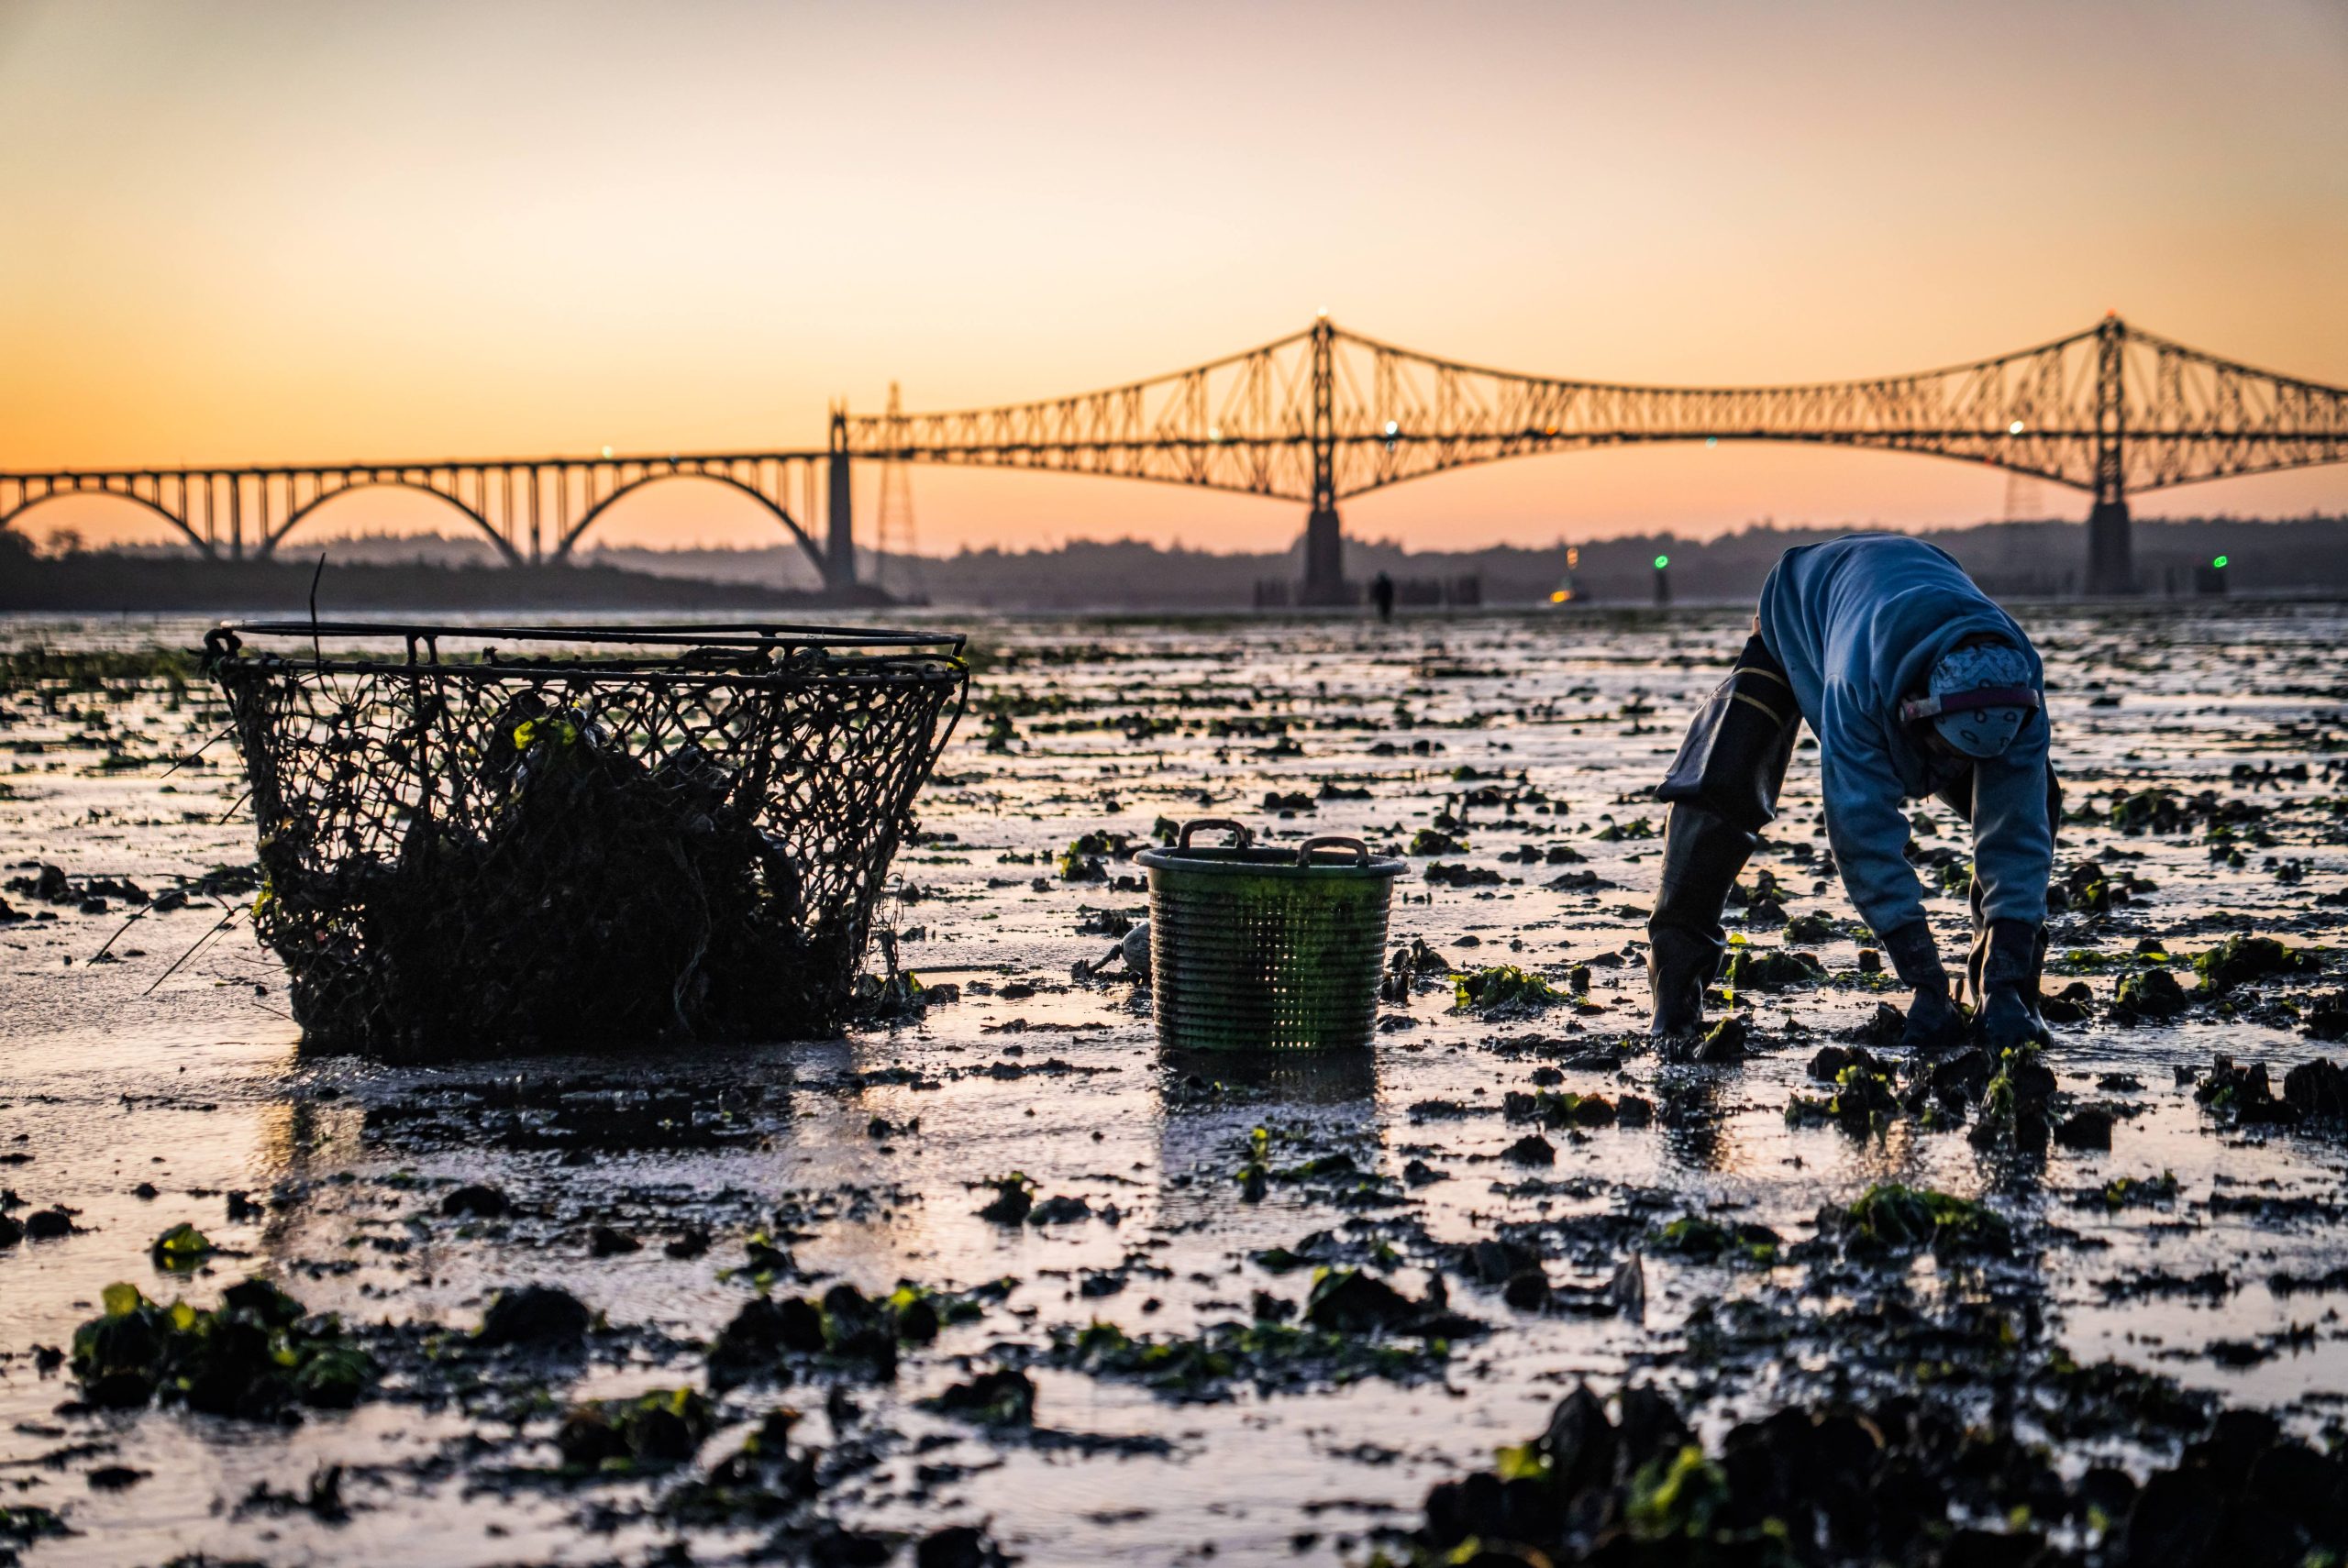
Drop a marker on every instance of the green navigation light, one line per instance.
(1661, 562)
(2219, 563)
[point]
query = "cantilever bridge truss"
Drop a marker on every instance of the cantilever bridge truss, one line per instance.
(1325, 413)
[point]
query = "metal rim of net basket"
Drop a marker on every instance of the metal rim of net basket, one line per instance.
(565, 847)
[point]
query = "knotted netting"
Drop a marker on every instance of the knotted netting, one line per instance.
(594, 844)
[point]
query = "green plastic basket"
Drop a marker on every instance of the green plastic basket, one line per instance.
(1265, 949)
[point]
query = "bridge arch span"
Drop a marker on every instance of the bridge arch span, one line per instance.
(594, 513)
(178, 525)
(301, 513)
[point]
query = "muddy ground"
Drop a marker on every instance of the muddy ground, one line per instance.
(1134, 1354)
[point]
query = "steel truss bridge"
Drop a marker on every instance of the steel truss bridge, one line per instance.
(1325, 414)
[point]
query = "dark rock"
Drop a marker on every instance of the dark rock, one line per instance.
(603, 1242)
(1960, 1080)
(2326, 1018)
(1581, 1441)
(2176, 1521)
(2241, 959)
(2237, 1441)
(1013, 1197)
(535, 1315)
(2109, 1489)
(1527, 1291)
(1493, 1262)
(765, 1328)
(1004, 1397)
(2245, 1094)
(2065, 1008)
(2031, 1079)
(1651, 1429)
(2088, 1128)
(2317, 1088)
(1531, 1149)
(1972, 1548)
(2149, 993)
(958, 1546)
(1728, 1043)
(2309, 1488)
(1771, 969)
(1351, 1302)
(474, 1202)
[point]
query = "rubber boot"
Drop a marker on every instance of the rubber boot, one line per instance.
(1934, 1022)
(2009, 1014)
(1701, 857)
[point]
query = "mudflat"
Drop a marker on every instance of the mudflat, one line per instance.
(987, 1275)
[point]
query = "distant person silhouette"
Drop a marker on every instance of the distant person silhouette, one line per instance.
(1381, 593)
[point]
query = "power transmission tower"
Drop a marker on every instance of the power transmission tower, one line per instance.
(893, 524)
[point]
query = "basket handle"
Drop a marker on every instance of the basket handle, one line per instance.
(1332, 841)
(1241, 836)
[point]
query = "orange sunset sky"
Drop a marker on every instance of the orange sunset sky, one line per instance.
(249, 232)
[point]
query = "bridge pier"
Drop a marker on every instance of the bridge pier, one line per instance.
(1325, 560)
(2111, 567)
(839, 538)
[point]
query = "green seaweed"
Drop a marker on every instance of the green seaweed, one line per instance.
(1270, 1356)
(1504, 986)
(1892, 1218)
(1771, 969)
(1702, 1240)
(181, 1247)
(651, 1431)
(2242, 958)
(2150, 993)
(255, 1356)
(1678, 1499)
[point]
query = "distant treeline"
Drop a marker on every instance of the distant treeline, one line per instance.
(2308, 556)
(108, 580)
(2018, 559)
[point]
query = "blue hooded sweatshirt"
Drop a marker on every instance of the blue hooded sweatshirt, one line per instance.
(1858, 623)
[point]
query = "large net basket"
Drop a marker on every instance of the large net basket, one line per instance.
(607, 837)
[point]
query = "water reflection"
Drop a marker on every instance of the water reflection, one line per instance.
(1694, 1108)
(1210, 1103)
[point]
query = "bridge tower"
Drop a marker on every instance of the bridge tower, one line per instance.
(2110, 570)
(839, 538)
(1324, 546)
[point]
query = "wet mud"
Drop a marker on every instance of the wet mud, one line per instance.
(989, 1279)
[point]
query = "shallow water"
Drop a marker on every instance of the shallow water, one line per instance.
(113, 1074)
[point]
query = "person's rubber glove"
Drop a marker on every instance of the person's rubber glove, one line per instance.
(1934, 1022)
(2010, 1016)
